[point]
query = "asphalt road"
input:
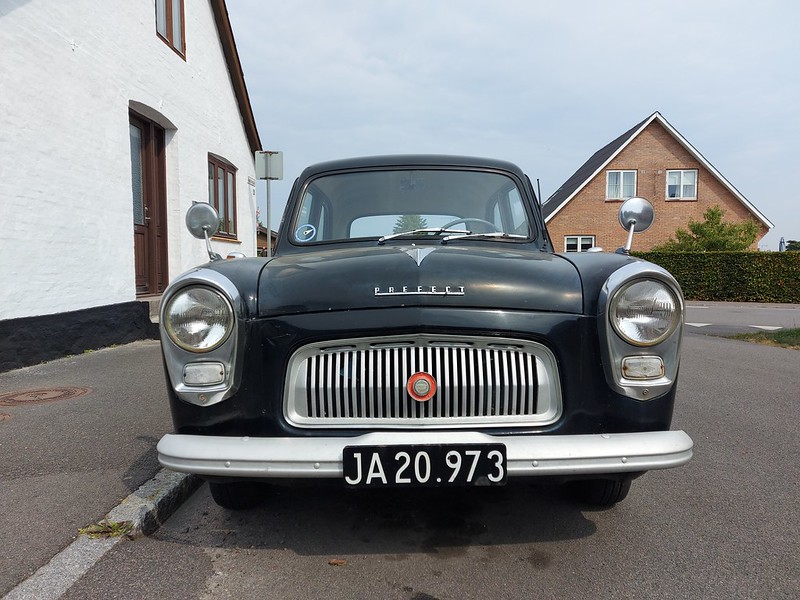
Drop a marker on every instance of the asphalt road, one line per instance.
(66, 463)
(726, 525)
(725, 318)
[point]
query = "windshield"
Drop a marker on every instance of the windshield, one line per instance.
(405, 204)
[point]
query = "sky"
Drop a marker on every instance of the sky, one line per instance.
(541, 84)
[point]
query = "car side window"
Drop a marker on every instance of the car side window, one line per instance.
(311, 223)
(517, 209)
(508, 213)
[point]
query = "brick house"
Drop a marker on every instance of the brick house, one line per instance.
(651, 160)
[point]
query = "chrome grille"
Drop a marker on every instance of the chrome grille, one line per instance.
(362, 383)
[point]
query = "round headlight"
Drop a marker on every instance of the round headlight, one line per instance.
(645, 312)
(198, 319)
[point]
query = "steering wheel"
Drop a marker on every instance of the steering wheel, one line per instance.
(466, 220)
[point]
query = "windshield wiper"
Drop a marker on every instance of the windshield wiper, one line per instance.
(426, 231)
(497, 235)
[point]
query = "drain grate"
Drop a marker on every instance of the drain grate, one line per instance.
(43, 396)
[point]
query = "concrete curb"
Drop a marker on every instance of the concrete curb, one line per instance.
(149, 506)
(145, 510)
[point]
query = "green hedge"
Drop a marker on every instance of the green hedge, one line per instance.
(733, 276)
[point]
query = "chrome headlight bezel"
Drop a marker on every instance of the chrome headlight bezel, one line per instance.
(616, 349)
(227, 355)
(648, 300)
(212, 317)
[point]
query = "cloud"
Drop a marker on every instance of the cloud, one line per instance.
(541, 84)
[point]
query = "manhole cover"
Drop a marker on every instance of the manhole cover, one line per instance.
(43, 396)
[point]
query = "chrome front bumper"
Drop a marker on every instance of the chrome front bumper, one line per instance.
(531, 455)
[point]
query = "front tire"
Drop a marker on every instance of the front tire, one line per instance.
(601, 492)
(237, 495)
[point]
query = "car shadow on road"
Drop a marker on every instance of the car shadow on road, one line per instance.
(145, 466)
(329, 520)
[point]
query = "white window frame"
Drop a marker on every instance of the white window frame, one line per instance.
(578, 241)
(622, 173)
(681, 184)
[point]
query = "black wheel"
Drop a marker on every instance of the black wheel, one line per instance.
(601, 492)
(237, 495)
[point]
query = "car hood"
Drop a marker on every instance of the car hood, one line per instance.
(500, 277)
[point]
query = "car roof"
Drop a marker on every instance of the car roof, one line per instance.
(411, 160)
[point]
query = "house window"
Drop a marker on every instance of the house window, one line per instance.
(620, 185)
(578, 243)
(169, 24)
(682, 185)
(222, 194)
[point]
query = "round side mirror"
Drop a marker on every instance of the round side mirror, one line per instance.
(637, 212)
(201, 220)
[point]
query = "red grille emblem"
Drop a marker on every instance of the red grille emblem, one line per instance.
(421, 387)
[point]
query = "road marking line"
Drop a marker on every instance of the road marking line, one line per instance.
(766, 327)
(698, 324)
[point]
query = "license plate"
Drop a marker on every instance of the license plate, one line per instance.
(431, 465)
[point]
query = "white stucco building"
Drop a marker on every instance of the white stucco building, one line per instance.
(114, 118)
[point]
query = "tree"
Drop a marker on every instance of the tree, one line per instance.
(712, 235)
(409, 223)
(793, 246)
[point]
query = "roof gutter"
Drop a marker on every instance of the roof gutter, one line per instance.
(237, 75)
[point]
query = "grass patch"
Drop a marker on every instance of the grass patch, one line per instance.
(104, 529)
(785, 338)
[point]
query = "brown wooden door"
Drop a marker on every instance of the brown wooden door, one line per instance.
(148, 182)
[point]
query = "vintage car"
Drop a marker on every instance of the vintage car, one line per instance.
(416, 328)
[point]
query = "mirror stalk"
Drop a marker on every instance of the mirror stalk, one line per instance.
(211, 254)
(626, 249)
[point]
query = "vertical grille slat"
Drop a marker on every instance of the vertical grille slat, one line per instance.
(397, 386)
(346, 385)
(471, 382)
(364, 383)
(371, 373)
(312, 398)
(497, 389)
(380, 391)
(505, 383)
(480, 366)
(532, 381)
(329, 400)
(362, 386)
